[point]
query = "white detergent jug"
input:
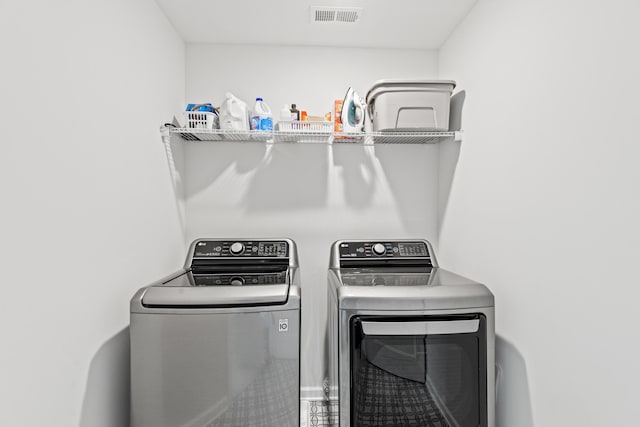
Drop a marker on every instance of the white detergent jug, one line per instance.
(233, 113)
(261, 118)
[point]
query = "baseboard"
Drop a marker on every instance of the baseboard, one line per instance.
(311, 393)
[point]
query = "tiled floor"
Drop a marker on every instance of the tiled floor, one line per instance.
(319, 413)
(267, 399)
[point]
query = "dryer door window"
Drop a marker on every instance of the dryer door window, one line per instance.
(419, 371)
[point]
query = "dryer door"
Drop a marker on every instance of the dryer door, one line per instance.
(419, 371)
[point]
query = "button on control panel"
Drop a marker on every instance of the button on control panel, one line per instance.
(241, 249)
(412, 249)
(272, 249)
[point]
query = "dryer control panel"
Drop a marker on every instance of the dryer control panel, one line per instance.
(383, 249)
(384, 252)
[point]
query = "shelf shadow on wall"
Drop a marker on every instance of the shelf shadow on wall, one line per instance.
(449, 155)
(513, 402)
(292, 177)
(258, 176)
(106, 397)
(359, 175)
(411, 172)
(205, 162)
(447, 163)
(175, 156)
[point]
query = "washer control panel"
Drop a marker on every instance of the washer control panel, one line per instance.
(383, 249)
(241, 249)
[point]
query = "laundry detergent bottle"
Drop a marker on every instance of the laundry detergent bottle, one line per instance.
(233, 113)
(261, 118)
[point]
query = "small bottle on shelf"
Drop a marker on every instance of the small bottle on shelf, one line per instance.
(295, 113)
(285, 113)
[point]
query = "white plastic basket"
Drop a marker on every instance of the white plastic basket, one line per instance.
(305, 126)
(200, 120)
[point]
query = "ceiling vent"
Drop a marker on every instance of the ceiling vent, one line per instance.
(346, 15)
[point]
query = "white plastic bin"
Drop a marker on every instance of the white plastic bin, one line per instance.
(200, 120)
(410, 105)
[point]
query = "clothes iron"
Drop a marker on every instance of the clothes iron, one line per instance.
(353, 112)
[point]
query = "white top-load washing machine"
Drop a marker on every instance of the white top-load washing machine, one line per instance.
(410, 344)
(218, 342)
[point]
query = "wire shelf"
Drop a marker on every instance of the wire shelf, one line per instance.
(409, 137)
(303, 137)
(318, 137)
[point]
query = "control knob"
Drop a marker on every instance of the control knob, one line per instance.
(237, 281)
(379, 249)
(237, 248)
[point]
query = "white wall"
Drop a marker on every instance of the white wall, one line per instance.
(88, 210)
(314, 194)
(544, 203)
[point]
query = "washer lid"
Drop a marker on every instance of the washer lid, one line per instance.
(219, 290)
(223, 296)
(442, 290)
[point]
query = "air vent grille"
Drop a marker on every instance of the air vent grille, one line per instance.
(323, 15)
(345, 15)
